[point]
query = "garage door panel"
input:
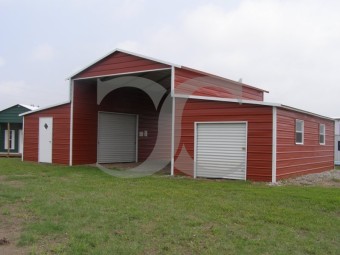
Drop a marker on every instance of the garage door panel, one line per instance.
(116, 137)
(221, 150)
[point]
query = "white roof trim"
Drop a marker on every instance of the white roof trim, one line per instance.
(43, 108)
(126, 52)
(254, 102)
(121, 74)
(230, 100)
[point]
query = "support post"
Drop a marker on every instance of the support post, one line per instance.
(8, 139)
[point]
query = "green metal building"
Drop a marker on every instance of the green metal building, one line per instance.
(12, 141)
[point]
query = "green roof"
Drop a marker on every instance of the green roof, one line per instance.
(11, 114)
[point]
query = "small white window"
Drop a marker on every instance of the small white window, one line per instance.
(11, 139)
(322, 134)
(299, 130)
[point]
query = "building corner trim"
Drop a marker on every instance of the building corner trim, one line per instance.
(274, 145)
(173, 121)
(71, 121)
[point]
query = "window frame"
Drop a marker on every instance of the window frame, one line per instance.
(302, 132)
(11, 139)
(322, 134)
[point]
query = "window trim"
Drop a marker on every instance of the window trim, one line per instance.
(11, 139)
(324, 134)
(300, 132)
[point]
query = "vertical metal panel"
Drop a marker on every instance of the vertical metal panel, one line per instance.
(116, 137)
(61, 135)
(221, 150)
(191, 82)
(259, 138)
(309, 157)
(85, 123)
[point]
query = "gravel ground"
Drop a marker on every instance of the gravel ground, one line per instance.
(329, 179)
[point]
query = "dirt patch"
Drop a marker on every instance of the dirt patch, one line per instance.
(127, 166)
(11, 223)
(13, 183)
(4, 241)
(327, 179)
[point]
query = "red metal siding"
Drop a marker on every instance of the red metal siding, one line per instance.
(197, 83)
(259, 118)
(311, 157)
(123, 100)
(119, 62)
(61, 134)
(85, 123)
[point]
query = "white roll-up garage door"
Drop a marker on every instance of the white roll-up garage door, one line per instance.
(116, 137)
(221, 150)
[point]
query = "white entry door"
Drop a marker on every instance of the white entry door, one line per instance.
(117, 137)
(45, 139)
(221, 150)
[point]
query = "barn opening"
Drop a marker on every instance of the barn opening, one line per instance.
(130, 115)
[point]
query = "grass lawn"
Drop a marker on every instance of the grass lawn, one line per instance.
(81, 210)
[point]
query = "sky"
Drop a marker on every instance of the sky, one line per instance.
(289, 47)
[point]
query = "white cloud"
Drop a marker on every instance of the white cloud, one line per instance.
(123, 9)
(44, 52)
(25, 92)
(2, 62)
(129, 45)
(288, 47)
(130, 8)
(11, 91)
(12, 88)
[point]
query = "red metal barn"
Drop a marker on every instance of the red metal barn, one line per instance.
(130, 108)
